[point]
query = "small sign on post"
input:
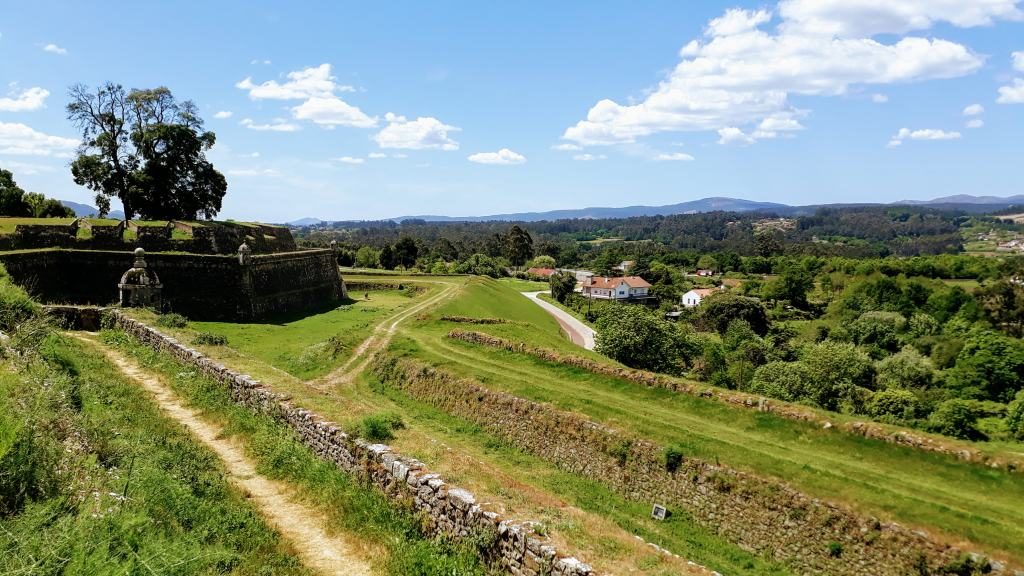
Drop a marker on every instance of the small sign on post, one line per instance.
(659, 512)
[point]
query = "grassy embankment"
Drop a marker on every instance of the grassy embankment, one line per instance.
(579, 515)
(305, 346)
(959, 500)
(389, 534)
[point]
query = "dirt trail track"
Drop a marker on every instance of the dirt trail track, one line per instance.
(299, 524)
(382, 333)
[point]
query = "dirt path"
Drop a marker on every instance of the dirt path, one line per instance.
(299, 524)
(579, 333)
(382, 334)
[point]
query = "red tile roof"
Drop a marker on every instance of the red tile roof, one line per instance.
(541, 272)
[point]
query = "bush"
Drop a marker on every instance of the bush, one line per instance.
(905, 369)
(172, 320)
(956, 418)
(894, 404)
(641, 339)
(210, 339)
(379, 427)
(790, 381)
(835, 549)
(673, 457)
(1015, 417)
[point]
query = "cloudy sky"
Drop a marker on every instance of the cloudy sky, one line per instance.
(346, 111)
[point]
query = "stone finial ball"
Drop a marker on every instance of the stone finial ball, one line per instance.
(139, 252)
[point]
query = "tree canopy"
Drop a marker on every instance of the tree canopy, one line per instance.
(16, 202)
(146, 149)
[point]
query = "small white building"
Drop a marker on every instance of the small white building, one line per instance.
(621, 288)
(694, 297)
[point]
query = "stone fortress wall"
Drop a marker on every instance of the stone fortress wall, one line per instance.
(451, 510)
(760, 514)
(200, 286)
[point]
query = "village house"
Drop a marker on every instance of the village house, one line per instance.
(694, 297)
(624, 266)
(541, 272)
(705, 272)
(621, 288)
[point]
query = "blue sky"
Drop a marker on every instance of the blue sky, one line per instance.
(351, 111)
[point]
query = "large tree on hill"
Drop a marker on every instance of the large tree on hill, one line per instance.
(518, 246)
(147, 150)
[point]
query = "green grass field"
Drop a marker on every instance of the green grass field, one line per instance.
(305, 346)
(524, 285)
(7, 225)
(956, 500)
(941, 494)
(132, 493)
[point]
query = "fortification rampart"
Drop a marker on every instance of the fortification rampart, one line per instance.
(451, 510)
(759, 514)
(208, 287)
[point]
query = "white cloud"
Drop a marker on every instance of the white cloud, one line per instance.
(21, 140)
(27, 168)
(423, 133)
(332, 111)
(376, 155)
(740, 74)
(733, 135)
(301, 84)
(588, 157)
(276, 125)
(922, 134)
(351, 160)
(1018, 61)
(737, 21)
(503, 156)
(856, 18)
(1013, 94)
(258, 61)
(30, 99)
(975, 123)
(54, 49)
(223, 114)
(567, 147)
(879, 98)
(674, 157)
(974, 110)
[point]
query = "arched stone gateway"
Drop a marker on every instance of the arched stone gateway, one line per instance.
(140, 287)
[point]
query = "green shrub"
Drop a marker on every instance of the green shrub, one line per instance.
(210, 339)
(673, 457)
(835, 549)
(172, 320)
(956, 418)
(620, 451)
(894, 404)
(379, 427)
(1015, 417)
(966, 565)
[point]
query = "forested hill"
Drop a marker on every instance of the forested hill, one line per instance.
(845, 231)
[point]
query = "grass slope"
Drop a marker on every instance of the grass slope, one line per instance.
(941, 494)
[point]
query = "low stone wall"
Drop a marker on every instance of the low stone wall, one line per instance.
(762, 515)
(874, 430)
(450, 509)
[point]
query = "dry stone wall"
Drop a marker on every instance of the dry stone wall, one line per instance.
(873, 430)
(761, 515)
(451, 510)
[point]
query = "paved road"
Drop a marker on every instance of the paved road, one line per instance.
(580, 333)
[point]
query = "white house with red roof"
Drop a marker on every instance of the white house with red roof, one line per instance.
(619, 288)
(693, 298)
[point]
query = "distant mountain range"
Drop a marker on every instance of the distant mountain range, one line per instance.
(82, 210)
(965, 202)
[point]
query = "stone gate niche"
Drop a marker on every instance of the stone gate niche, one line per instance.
(140, 287)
